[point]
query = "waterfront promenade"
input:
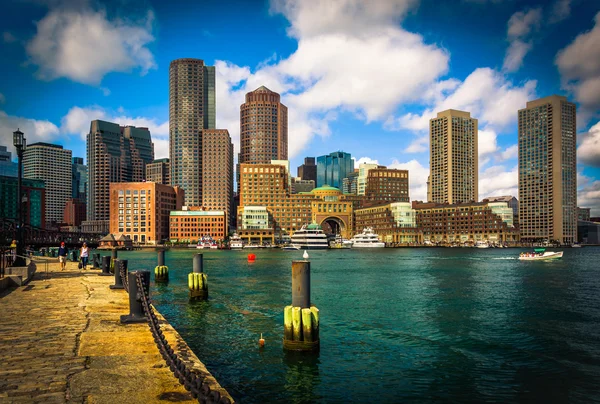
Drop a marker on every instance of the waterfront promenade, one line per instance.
(61, 341)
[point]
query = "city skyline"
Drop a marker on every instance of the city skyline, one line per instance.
(324, 63)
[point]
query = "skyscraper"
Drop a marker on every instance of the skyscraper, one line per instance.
(217, 171)
(263, 128)
(52, 164)
(114, 154)
(79, 178)
(159, 171)
(333, 168)
(548, 170)
(191, 110)
(308, 170)
(7, 166)
(453, 157)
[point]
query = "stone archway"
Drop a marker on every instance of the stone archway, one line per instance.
(333, 225)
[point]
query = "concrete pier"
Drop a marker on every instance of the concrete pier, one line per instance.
(61, 341)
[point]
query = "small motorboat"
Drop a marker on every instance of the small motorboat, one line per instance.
(291, 247)
(540, 254)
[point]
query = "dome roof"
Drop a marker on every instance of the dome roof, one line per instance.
(326, 188)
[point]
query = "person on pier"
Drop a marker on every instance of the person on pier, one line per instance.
(63, 252)
(85, 253)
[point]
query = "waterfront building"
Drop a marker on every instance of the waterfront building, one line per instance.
(363, 172)
(256, 225)
(190, 224)
(308, 170)
(548, 170)
(266, 185)
(114, 154)
(394, 222)
(191, 110)
(463, 223)
(217, 171)
(333, 168)
(583, 214)
(8, 168)
(512, 202)
(159, 171)
(504, 211)
(79, 178)
(74, 212)
(32, 205)
(299, 185)
(588, 232)
(140, 210)
(350, 183)
(52, 164)
(387, 185)
(453, 158)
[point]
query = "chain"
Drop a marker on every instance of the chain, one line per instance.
(124, 279)
(192, 382)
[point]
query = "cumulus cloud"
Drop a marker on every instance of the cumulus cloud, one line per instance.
(520, 26)
(325, 76)
(498, 180)
(35, 130)
(560, 11)
(588, 193)
(364, 160)
(579, 67)
(83, 44)
(417, 177)
(589, 147)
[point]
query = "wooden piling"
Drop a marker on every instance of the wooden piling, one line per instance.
(288, 332)
(296, 322)
(306, 325)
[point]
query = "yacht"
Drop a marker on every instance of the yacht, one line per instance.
(367, 239)
(340, 242)
(482, 244)
(310, 237)
(290, 247)
(207, 242)
(235, 242)
(540, 254)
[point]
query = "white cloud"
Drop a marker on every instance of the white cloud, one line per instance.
(417, 177)
(35, 130)
(497, 181)
(2, 98)
(560, 11)
(588, 194)
(364, 160)
(485, 93)
(7, 37)
(83, 45)
(588, 151)
(510, 153)
(520, 26)
(579, 67)
(486, 143)
(325, 75)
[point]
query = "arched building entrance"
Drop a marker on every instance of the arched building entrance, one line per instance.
(333, 225)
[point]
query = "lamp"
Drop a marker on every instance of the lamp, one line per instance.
(20, 144)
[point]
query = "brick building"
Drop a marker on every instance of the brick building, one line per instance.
(191, 224)
(74, 212)
(387, 185)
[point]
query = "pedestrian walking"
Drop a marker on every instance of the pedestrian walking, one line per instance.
(63, 252)
(85, 253)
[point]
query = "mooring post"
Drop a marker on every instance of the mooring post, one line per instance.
(197, 281)
(301, 320)
(118, 280)
(136, 309)
(161, 271)
(105, 266)
(96, 260)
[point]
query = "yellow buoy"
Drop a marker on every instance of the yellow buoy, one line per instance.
(261, 341)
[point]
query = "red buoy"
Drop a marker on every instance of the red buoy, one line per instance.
(251, 257)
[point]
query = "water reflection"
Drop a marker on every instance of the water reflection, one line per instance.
(302, 378)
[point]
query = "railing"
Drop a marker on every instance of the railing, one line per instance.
(192, 381)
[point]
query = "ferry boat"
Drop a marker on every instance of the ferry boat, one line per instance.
(340, 243)
(367, 239)
(310, 237)
(235, 242)
(482, 244)
(207, 242)
(540, 254)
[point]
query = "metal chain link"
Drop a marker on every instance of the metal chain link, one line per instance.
(124, 279)
(189, 379)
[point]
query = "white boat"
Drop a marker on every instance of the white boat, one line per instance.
(253, 246)
(540, 254)
(235, 242)
(310, 237)
(482, 244)
(575, 245)
(291, 247)
(367, 239)
(207, 242)
(340, 243)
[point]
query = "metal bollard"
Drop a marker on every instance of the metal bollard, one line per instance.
(118, 281)
(198, 264)
(105, 266)
(136, 310)
(301, 284)
(161, 257)
(73, 258)
(96, 261)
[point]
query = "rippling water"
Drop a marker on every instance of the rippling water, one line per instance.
(424, 325)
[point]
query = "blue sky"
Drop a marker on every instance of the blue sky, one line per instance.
(363, 77)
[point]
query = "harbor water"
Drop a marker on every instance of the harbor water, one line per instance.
(397, 325)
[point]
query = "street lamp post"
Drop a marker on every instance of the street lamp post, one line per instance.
(19, 142)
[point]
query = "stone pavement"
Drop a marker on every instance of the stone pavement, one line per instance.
(61, 341)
